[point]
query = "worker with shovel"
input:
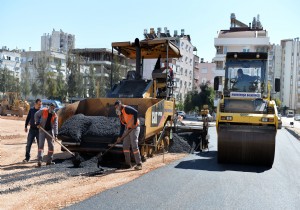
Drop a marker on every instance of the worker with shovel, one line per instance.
(129, 120)
(47, 119)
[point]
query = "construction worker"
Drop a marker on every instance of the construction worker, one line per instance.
(47, 119)
(170, 73)
(33, 130)
(129, 120)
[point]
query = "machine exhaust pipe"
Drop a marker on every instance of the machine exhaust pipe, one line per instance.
(138, 57)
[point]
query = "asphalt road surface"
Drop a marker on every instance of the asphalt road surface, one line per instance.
(199, 182)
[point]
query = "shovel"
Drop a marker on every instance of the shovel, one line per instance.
(76, 158)
(100, 155)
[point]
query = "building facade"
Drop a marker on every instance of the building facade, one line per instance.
(104, 65)
(58, 41)
(290, 74)
(239, 38)
(11, 60)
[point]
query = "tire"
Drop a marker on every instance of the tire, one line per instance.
(21, 112)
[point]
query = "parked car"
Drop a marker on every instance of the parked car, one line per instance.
(297, 117)
(47, 102)
(181, 113)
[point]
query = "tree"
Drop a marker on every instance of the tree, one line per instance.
(25, 83)
(207, 96)
(35, 89)
(75, 78)
(41, 66)
(92, 85)
(116, 70)
(50, 85)
(61, 86)
(8, 83)
(194, 101)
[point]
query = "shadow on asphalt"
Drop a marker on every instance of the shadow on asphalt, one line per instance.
(209, 162)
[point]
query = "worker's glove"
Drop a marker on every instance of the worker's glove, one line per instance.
(118, 139)
(26, 130)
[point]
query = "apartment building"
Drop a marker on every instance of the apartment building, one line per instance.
(239, 38)
(274, 65)
(11, 60)
(104, 65)
(290, 74)
(58, 41)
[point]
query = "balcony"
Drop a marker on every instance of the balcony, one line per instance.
(219, 57)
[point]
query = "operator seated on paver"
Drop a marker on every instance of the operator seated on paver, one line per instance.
(47, 119)
(129, 120)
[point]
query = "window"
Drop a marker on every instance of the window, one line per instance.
(185, 72)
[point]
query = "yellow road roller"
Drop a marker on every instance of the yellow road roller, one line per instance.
(247, 118)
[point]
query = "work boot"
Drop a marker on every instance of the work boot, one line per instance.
(39, 163)
(50, 163)
(126, 166)
(138, 167)
(25, 161)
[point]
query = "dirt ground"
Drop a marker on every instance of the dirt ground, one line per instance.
(24, 186)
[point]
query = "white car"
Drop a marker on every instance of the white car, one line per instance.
(181, 113)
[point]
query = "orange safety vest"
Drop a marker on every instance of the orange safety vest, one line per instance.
(45, 115)
(127, 119)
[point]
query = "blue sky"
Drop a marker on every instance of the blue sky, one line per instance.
(96, 24)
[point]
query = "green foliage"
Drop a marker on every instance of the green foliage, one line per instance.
(50, 85)
(92, 85)
(61, 86)
(41, 67)
(179, 106)
(35, 89)
(194, 101)
(8, 83)
(116, 71)
(75, 79)
(25, 82)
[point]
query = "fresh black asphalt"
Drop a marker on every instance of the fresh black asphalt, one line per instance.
(199, 182)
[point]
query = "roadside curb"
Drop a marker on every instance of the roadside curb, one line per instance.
(294, 132)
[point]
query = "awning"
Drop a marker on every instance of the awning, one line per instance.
(149, 49)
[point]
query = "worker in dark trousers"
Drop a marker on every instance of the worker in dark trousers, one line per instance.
(47, 119)
(33, 130)
(129, 120)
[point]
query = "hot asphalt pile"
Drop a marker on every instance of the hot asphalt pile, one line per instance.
(183, 143)
(80, 126)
